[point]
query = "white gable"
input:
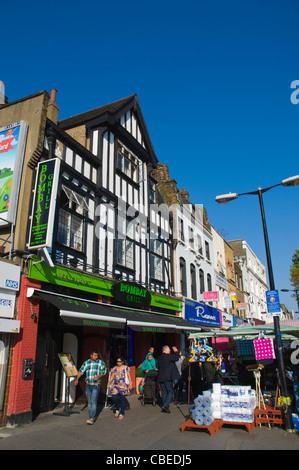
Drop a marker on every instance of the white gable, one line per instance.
(130, 123)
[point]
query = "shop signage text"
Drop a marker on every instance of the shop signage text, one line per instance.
(201, 314)
(86, 282)
(9, 276)
(131, 294)
(42, 218)
(210, 296)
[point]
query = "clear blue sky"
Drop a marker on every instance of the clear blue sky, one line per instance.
(213, 80)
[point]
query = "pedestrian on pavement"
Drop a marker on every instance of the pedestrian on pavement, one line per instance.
(167, 373)
(148, 364)
(120, 384)
(178, 383)
(94, 369)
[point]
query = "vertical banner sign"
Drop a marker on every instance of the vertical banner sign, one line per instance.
(12, 149)
(42, 219)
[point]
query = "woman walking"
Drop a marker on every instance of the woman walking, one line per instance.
(120, 384)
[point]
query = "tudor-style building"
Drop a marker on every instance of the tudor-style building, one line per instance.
(88, 231)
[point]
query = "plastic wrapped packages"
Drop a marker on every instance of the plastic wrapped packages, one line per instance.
(207, 406)
(232, 403)
(238, 403)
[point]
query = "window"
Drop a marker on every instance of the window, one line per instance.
(156, 246)
(209, 280)
(207, 247)
(193, 281)
(123, 164)
(126, 164)
(156, 264)
(181, 229)
(73, 200)
(201, 281)
(199, 244)
(70, 230)
(183, 283)
(152, 190)
(124, 253)
(191, 237)
(70, 220)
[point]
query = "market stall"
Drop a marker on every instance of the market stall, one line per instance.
(239, 402)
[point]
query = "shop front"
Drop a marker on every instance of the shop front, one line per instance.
(78, 312)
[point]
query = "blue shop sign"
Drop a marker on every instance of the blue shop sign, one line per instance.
(201, 314)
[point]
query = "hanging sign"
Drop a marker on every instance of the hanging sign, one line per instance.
(131, 294)
(42, 218)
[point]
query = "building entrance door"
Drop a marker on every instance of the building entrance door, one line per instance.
(46, 374)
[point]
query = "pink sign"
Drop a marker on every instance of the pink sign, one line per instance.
(210, 295)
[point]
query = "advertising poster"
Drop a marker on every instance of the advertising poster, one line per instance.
(12, 149)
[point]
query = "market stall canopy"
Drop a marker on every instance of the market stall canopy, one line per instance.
(287, 331)
(83, 312)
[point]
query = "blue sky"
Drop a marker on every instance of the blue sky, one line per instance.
(213, 80)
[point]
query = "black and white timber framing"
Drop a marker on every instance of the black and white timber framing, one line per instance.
(107, 219)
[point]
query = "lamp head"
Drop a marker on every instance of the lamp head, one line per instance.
(224, 198)
(292, 181)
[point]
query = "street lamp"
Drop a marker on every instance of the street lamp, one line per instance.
(225, 198)
(296, 292)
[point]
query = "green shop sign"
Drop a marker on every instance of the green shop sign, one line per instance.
(131, 294)
(69, 278)
(139, 296)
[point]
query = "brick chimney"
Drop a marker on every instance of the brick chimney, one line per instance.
(53, 108)
(185, 195)
(167, 185)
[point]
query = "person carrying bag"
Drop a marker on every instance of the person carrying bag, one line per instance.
(119, 386)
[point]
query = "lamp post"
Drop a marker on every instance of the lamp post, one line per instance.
(297, 295)
(223, 199)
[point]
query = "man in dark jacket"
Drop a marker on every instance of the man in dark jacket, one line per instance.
(167, 373)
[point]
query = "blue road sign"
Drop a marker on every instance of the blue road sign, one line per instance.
(273, 303)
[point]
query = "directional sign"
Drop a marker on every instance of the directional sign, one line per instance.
(273, 303)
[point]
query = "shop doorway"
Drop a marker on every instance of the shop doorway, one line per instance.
(46, 374)
(119, 346)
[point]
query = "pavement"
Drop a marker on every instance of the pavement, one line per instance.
(144, 429)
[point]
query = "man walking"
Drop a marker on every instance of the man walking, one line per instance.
(168, 372)
(95, 369)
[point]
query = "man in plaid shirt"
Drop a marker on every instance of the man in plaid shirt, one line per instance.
(94, 369)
